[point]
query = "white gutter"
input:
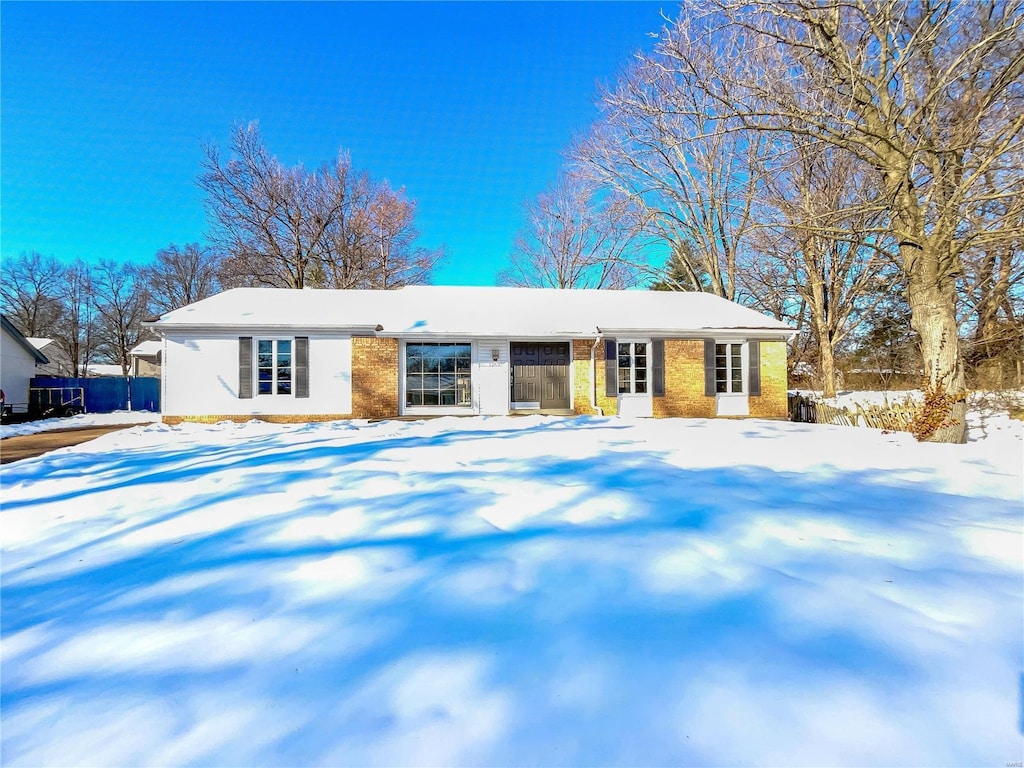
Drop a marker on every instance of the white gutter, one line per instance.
(593, 374)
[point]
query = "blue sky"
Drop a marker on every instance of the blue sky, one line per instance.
(468, 105)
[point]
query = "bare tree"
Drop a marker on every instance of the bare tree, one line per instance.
(393, 258)
(663, 144)
(76, 328)
(120, 299)
(270, 219)
(992, 287)
(29, 288)
(826, 241)
(927, 94)
(576, 238)
(294, 228)
(182, 275)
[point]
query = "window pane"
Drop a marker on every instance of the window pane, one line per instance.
(438, 374)
(719, 350)
(265, 359)
(737, 379)
(284, 346)
(624, 380)
(640, 348)
(265, 388)
(464, 390)
(624, 350)
(413, 358)
(641, 374)
(641, 387)
(264, 346)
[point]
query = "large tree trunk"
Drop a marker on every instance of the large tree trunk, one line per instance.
(933, 316)
(826, 360)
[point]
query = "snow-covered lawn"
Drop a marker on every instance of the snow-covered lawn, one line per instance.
(78, 422)
(514, 592)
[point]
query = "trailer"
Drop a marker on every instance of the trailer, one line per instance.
(47, 402)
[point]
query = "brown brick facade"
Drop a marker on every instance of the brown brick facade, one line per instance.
(772, 403)
(374, 377)
(582, 395)
(291, 418)
(684, 381)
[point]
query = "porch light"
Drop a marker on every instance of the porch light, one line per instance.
(495, 353)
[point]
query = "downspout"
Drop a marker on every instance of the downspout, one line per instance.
(593, 374)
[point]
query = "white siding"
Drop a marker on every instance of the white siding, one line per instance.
(492, 377)
(16, 368)
(200, 377)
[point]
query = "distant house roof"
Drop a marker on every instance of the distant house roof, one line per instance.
(22, 341)
(103, 369)
(149, 348)
(38, 342)
(476, 311)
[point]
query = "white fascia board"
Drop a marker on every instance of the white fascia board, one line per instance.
(489, 336)
(163, 329)
(702, 333)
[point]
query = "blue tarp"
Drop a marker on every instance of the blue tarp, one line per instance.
(110, 393)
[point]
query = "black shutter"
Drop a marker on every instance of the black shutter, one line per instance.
(709, 367)
(611, 369)
(302, 366)
(754, 370)
(658, 367)
(245, 367)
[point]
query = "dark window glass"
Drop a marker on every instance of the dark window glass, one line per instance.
(274, 366)
(438, 374)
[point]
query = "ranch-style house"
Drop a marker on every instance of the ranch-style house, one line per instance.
(305, 355)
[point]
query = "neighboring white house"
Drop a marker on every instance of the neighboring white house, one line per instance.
(145, 358)
(18, 360)
(296, 355)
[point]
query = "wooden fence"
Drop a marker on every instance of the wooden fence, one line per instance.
(895, 417)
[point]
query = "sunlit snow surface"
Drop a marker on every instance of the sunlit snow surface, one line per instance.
(514, 591)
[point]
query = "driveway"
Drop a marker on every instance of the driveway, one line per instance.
(30, 446)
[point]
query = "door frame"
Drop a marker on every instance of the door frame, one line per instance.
(537, 405)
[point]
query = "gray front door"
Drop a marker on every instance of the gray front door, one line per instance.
(540, 374)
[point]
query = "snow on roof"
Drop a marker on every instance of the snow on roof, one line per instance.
(38, 342)
(147, 348)
(103, 369)
(464, 310)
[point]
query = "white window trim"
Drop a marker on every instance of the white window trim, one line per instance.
(256, 366)
(744, 368)
(632, 367)
(438, 410)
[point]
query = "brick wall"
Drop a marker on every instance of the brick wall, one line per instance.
(583, 391)
(293, 418)
(772, 402)
(374, 377)
(609, 405)
(684, 381)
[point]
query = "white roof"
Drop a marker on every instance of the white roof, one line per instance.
(103, 369)
(147, 348)
(470, 311)
(38, 342)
